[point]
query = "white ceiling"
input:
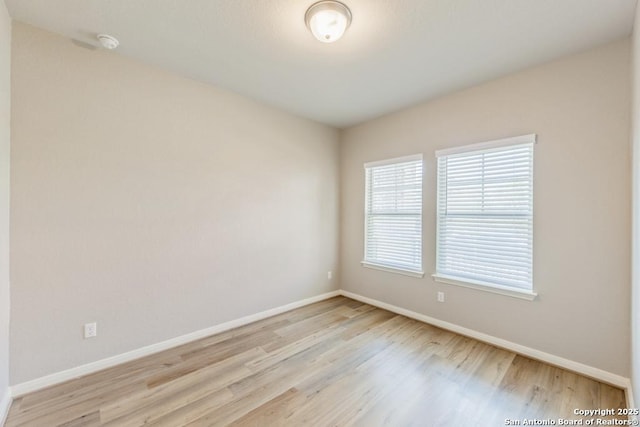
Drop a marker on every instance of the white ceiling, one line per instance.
(396, 52)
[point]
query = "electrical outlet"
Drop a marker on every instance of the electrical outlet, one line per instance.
(90, 330)
(329, 275)
(440, 296)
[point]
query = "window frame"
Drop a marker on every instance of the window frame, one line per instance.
(527, 294)
(388, 267)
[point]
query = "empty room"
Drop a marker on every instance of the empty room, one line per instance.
(319, 213)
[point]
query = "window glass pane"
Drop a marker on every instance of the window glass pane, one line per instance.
(393, 215)
(485, 216)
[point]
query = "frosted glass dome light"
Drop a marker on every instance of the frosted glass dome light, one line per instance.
(328, 20)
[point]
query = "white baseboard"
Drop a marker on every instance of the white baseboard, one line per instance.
(628, 392)
(58, 377)
(69, 374)
(5, 403)
(589, 371)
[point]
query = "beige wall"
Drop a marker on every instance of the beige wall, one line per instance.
(153, 204)
(5, 97)
(635, 256)
(579, 107)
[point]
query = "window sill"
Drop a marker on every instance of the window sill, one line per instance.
(484, 286)
(410, 273)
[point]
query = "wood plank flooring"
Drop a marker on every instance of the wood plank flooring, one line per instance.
(334, 363)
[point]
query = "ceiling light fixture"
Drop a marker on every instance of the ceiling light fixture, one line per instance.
(107, 41)
(328, 20)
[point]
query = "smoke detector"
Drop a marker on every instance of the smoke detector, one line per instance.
(107, 41)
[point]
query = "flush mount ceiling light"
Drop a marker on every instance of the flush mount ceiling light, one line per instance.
(328, 20)
(107, 41)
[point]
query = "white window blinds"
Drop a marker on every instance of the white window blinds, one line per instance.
(393, 214)
(485, 213)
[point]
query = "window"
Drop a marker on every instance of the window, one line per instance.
(393, 215)
(485, 216)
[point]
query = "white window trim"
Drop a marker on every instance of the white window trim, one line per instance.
(387, 268)
(403, 271)
(485, 286)
(478, 284)
(498, 143)
(402, 159)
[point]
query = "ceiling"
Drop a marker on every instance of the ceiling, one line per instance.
(396, 52)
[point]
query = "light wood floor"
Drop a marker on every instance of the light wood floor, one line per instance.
(337, 362)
